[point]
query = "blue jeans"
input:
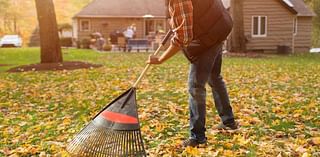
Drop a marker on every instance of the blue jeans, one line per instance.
(207, 69)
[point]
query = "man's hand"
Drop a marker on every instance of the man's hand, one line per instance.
(154, 60)
(171, 51)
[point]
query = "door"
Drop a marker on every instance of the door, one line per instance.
(153, 26)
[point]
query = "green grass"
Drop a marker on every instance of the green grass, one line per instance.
(271, 96)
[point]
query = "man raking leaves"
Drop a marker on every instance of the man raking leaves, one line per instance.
(200, 27)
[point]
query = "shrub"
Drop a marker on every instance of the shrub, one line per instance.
(107, 47)
(85, 43)
(66, 42)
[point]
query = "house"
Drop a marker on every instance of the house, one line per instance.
(65, 31)
(106, 16)
(272, 23)
(268, 24)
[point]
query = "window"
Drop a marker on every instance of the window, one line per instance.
(259, 26)
(153, 26)
(159, 25)
(149, 27)
(295, 26)
(84, 25)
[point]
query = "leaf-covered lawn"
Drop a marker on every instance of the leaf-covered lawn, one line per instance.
(275, 99)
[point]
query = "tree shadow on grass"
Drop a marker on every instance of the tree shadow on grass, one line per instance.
(72, 65)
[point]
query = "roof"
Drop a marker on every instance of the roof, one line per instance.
(124, 8)
(296, 6)
(301, 8)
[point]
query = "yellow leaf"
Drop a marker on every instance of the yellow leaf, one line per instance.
(298, 111)
(241, 140)
(67, 121)
(276, 122)
(228, 145)
(42, 154)
(315, 140)
(159, 127)
(306, 155)
(228, 153)
(277, 109)
(192, 151)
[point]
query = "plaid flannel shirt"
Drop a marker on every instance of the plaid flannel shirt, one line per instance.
(181, 21)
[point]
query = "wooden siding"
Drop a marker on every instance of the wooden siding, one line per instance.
(279, 25)
(303, 36)
(107, 25)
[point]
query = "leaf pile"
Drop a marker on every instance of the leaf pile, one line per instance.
(275, 99)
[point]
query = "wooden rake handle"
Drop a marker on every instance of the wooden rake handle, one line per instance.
(164, 41)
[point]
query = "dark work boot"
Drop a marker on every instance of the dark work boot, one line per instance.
(230, 126)
(193, 143)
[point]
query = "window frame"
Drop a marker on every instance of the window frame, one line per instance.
(259, 26)
(89, 25)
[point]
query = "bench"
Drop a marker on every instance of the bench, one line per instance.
(138, 44)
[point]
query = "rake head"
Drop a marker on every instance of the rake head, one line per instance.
(115, 131)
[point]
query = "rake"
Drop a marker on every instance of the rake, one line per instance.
(115, 130)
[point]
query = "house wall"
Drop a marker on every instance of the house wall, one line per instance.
(107, 25)
(279, 25)
(303, 37)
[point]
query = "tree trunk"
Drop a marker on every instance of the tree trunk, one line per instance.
(49, 38)
(238, 40)
(15, 24)
(316, 23)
